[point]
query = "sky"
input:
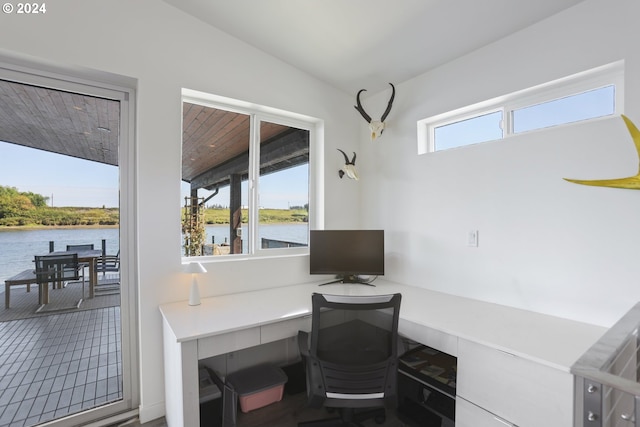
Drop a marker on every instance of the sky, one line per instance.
(487, 127)
(69, 181)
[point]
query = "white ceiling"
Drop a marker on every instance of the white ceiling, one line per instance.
(354, 44)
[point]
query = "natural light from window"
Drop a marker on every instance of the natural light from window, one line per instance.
(593, 94)
(582, 106)
(246, 186)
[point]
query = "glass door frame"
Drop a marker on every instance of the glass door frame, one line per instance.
(122, 89)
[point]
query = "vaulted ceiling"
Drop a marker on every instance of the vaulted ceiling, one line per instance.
(354, 44)
(349, 44)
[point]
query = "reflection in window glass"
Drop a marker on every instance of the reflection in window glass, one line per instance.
(215, 167)
(284, 187)
(466, 132)
(222, 214)
(586, 105)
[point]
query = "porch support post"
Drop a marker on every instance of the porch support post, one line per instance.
(235, 212)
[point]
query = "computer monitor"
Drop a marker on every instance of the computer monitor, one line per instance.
(348, 254)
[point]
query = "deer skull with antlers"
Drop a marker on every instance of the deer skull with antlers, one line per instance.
(349, 168)
(377, 127)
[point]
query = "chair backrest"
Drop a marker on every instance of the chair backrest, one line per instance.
(51, 268)
(354, 343)
(85, 247)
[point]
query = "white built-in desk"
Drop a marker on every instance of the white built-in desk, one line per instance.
(513, 365)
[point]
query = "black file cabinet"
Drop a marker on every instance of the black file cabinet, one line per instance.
(427, 388)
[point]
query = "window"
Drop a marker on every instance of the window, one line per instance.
(481, 128)
(246, 178)
(573, 108)
(592, 94)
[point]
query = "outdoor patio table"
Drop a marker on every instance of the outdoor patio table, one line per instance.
(88, 256)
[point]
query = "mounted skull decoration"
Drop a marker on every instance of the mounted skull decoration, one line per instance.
(349, 168)
(377, 127)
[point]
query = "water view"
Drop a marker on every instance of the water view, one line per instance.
(295, 233)
(18, 247)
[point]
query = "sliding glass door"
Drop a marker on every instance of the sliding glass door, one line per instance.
(66, 157)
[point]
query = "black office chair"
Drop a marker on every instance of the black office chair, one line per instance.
(351, 356)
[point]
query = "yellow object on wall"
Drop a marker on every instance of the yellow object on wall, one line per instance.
(631, 182)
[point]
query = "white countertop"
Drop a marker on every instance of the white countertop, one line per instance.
(549, 340)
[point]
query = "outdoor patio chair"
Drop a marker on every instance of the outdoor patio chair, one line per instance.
(83, 247)
(108, 285)
(55, 269)
(108, 263)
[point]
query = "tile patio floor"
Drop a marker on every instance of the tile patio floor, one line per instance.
(59, 364)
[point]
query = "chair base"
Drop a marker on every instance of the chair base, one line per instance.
(348, 418)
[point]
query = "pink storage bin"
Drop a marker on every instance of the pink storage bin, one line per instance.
(258, 386)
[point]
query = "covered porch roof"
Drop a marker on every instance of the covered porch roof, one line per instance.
(215, 142)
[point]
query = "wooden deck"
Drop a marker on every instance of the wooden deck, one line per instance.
(24, 301)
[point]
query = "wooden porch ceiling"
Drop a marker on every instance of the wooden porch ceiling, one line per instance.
(60, 122)
(87, 127)
(215, 144)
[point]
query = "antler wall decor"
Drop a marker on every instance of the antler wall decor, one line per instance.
(349, 168)
(377, 127)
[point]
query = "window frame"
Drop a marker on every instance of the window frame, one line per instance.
(607, 75)
(257, 114)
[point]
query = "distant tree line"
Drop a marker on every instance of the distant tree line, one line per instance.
(30, 209)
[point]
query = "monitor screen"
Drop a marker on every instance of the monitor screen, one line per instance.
(346, 252)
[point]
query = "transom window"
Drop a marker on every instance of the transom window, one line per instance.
(589, 95)
(246, 178)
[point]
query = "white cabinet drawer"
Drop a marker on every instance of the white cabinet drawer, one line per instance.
(281, 330)
(469, 415)
(226, 343)
(526, 393)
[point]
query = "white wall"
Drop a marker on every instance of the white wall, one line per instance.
(166, 50)
(545, 245)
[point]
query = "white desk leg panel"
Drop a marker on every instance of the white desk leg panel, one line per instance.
(181, 380)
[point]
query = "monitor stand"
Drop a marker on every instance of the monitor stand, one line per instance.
(349, 279)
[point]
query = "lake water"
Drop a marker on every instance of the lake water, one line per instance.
(18, 247)
(296, 233)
